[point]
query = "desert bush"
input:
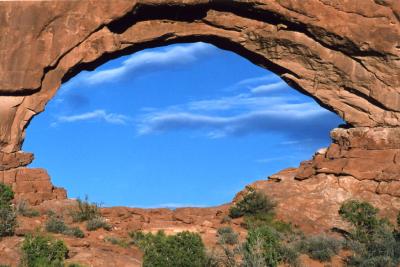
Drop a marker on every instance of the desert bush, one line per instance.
(55, 225)
(58, 226)
(85, 210)
(226, 235)
(116, 241)
(23, 209)
(97, 223)
(74, 231)
(226, 219)
(262, 248)
(224, 256)
(6, 194)
(39, 251)
(363, 217)
(8, 221)
(184, 249)
(8, 217)
(320, 248)
(372, 239)
(254, 202)
(228, 252)
(289, 255)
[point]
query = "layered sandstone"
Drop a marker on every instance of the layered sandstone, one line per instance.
(362, 163)
(345, 54)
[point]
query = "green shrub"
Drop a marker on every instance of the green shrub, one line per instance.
(373, 240)
(320, 248)
(40, 251)
(116, 241)
(55, 225)
(8, 217)
(226, 219)
(184, 249)
(262, 248)
(258, 220)
(74, 231)
(85, 210)
(228, 252)
(226, 235)
(254, 202)
(289, 255)
(58, 226)
(6, 194)
(8, 221)
(75, 265)
(97, 223)
(363, 217)
(23, 209)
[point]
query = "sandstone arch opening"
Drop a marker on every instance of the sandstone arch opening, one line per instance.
(174, 126)
(349, 69)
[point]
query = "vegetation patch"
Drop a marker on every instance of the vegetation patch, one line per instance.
(97, 223)
(8, 217)
(373, 240)
(85, 210)
(184, 249)
(58, 226)
(116, 241)
(226, 235)
(320, 248)
(252, 203)
(23, 209)
(40, 250)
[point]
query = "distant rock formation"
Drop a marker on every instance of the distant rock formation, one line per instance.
(345, 54)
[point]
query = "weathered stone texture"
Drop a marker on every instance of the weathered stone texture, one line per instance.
(31, 185)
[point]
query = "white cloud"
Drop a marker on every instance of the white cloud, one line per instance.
(254, 81)
(242, 101)
(267, 88)
(170, 57)
(298, 121)
(100, 114)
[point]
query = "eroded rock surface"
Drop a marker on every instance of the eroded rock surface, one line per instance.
(362, 163)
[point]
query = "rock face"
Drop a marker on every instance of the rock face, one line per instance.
(362, 163)
(345, 54)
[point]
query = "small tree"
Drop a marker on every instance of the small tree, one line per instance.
(254, 202)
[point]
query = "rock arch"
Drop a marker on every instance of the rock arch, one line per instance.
(345, 54)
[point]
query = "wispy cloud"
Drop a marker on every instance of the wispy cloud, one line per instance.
(298, 121)
(102, 115)
(170, 57)
(268, 88)
(241, 101)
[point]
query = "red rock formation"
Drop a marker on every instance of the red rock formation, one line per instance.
(362, 163)
(345, 54)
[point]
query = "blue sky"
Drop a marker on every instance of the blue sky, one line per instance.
(180, 125)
